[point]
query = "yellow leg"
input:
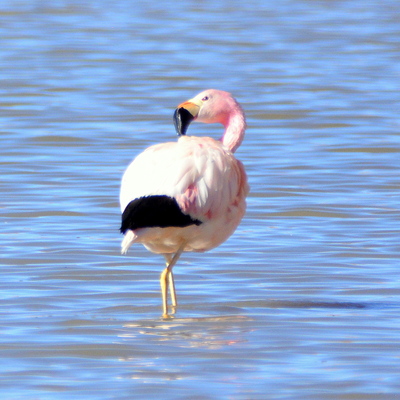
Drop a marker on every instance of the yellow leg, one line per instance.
(164, 289)
(172, 289)
(171, 282)
(167, 278)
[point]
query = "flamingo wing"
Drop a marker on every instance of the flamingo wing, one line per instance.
(196, 174)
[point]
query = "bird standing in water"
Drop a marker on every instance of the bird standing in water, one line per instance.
(188, 195)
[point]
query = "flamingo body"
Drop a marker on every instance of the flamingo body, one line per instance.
(209, 188)
(188, 195)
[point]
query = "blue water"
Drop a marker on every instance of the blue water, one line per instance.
(302, 302)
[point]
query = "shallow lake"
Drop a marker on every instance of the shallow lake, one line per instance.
(302, 302)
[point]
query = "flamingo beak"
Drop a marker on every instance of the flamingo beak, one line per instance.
(184, 114)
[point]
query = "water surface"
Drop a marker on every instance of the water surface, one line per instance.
(302, 302)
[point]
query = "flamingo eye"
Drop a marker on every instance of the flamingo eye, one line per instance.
(204, 98)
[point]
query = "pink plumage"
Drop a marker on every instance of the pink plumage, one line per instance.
(187, 195)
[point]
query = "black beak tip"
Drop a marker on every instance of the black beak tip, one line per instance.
(177, 122)
(182, 120)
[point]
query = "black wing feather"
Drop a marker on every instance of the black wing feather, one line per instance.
(154, 211)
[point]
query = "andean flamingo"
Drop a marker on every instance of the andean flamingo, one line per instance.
(188, 195)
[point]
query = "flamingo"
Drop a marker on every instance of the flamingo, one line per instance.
(188, 195)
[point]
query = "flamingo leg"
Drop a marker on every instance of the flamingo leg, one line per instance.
(167, 278)
(171, 282)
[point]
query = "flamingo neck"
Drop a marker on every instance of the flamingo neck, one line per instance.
(235, 127)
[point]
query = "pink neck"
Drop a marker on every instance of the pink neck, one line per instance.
(235, 126)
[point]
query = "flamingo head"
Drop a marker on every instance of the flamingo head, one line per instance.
(209, 106)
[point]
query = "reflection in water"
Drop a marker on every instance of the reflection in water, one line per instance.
(189, 337)
(191, 333)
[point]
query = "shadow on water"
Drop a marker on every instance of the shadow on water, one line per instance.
(306, 304)
(309, 305)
